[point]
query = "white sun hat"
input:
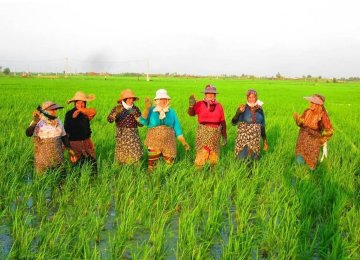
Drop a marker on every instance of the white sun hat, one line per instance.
(161, 93)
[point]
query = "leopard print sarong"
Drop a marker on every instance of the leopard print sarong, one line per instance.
(48, 153)
(128, 147)
(308, 145)
(209, 137)
(162, 138)
(248, 135)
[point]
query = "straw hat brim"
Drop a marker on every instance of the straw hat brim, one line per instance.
(84, 98)
(315, 100)
(134, 97)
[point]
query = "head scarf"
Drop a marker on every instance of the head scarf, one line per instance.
(162, 110)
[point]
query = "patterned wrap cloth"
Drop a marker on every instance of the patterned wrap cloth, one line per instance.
(162, 138)
(48, 153)
(248, 135)
(315, 130)
(308, 145)
(207, 136)
(128, 147)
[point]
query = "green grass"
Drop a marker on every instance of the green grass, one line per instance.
(280, 211)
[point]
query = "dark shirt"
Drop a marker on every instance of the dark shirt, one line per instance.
(126, 118)
(251, 116)
(77, 128)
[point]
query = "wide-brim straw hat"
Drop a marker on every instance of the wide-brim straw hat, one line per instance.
(127, 93)
(161, 94)
(210, 89)
(49, 105)
(81, 96)
(316, 99)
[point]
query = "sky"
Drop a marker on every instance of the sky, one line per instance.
(258, 37)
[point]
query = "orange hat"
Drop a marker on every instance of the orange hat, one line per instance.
(127, 93)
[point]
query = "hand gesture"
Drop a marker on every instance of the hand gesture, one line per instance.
(192, 100)
(148, 103)
(76, 113)
(242, 108)
(131, 111)
(186, 146)
(296, 116)
(118, 109)
(266, 145)
(36, 116)
(73, 157)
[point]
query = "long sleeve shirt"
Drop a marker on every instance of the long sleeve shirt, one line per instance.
(125, 118)
(77, 128)
(316, 121)
(43, 130)
(251, 116)
(210, 115)
(171, 120)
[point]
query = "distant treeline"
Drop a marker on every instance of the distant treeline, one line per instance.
(278, 76)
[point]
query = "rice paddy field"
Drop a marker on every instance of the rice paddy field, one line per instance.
(273, 209)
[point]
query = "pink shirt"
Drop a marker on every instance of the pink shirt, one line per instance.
(206, 116)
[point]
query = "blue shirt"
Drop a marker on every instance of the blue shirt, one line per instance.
(247, 117)
(170, 120)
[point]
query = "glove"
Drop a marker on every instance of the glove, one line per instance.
(131, 111)
(192, 100)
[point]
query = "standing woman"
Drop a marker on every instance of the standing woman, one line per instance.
(163, 129)
(250, 120)
(315, 131)
(128, 148)
(211, 126)
(77, 126)
(49, 137)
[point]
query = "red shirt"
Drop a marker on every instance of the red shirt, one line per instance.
(209, 114)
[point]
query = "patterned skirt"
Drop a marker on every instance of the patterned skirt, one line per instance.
(128, 147)
(162, 138)
(207, 137)
(248, 139)
(308, 145)
(48, 153)
(83, 148)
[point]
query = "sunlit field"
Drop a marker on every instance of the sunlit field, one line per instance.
(273, 209)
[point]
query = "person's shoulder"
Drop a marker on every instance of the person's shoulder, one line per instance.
(70, 112)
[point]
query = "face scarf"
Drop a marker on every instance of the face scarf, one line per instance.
(162, 110)
(48, 119)
(126, 106)
(210, 104)
(257, 103)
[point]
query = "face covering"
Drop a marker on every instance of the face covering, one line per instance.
(126, 106)
(162, 110)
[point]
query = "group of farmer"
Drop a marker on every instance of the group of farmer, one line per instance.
(163, 128)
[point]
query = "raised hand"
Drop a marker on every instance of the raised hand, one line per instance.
(148, 103)
(192, 100)
(242, 108)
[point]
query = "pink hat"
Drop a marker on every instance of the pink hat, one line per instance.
(316, 99)
(210, 89)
